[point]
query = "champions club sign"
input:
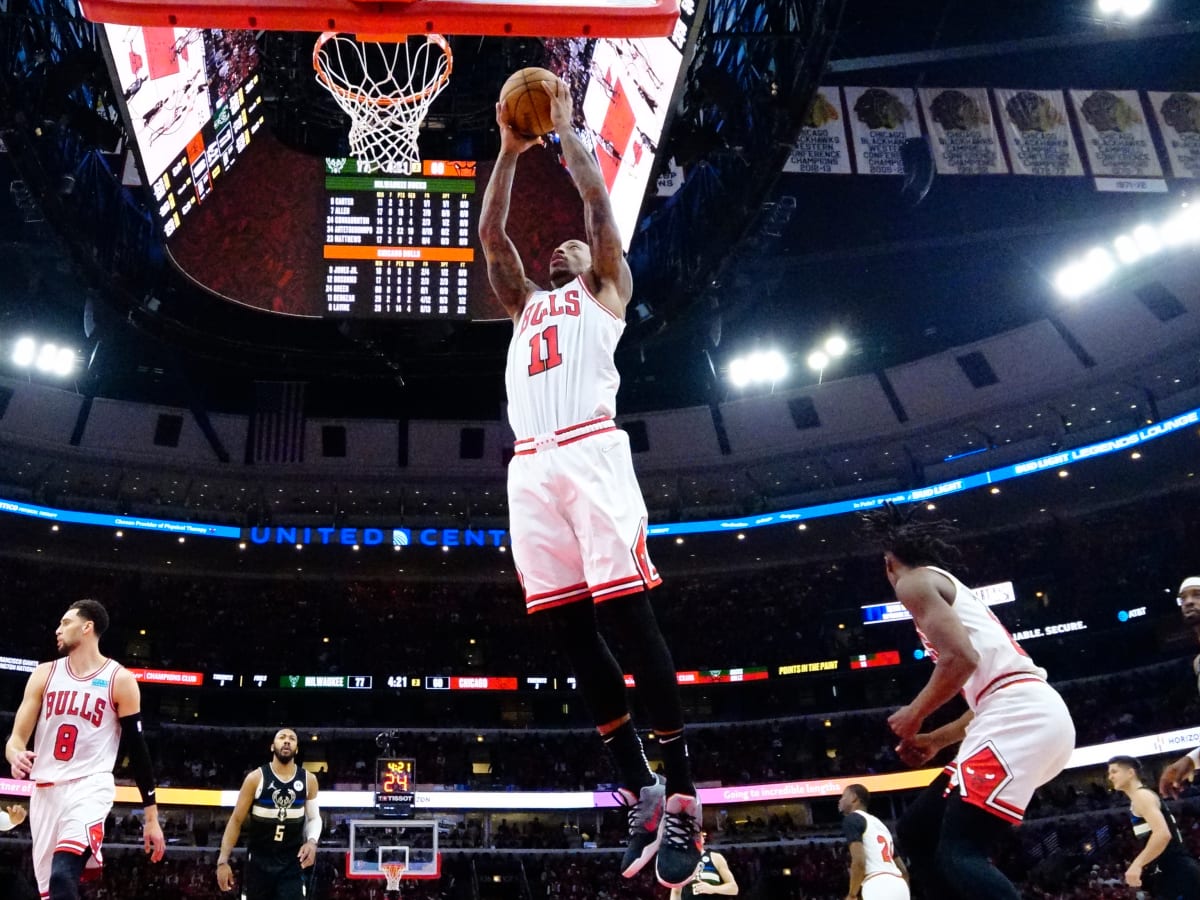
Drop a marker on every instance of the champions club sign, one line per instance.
(374, 537)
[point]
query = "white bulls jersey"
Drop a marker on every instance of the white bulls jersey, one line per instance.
(560, 361)
(999, 655)
(78, 730)
(877, 844)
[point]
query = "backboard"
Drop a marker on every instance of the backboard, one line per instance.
(375, 842)
(511, 18)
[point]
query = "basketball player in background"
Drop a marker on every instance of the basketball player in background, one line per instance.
(875, 870)
(713, 876)
(80, 711)
(1171, 782)
(285, 825)
(1016, 736)
(1164, 867)
(578, 520)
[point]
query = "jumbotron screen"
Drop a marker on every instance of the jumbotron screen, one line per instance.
(193, 101)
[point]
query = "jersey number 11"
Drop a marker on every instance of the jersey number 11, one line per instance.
(543, 350)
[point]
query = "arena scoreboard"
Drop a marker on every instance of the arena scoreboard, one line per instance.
(394, 781)
(399, 245)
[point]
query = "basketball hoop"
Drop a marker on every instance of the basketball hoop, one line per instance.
(393, 872)
(385, 88)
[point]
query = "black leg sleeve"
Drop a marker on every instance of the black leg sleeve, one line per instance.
(917, 840)
(969, 835)
(65, 871)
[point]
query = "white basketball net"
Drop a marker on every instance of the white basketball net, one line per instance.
(393, 872)
(385, 89)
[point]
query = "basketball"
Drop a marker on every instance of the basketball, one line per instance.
(526, 103)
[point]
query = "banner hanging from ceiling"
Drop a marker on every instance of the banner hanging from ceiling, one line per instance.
(1116, 134)
(821, 148)
(963, 131)
(1178, 115)
(881, 120)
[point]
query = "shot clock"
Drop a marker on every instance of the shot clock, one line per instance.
(394, 780)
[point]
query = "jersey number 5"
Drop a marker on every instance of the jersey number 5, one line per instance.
(279, 832)
(543, 350)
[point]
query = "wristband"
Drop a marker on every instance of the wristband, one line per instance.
(1194, 756)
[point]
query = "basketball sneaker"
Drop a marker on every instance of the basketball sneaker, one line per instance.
(645, 813)
(681, 843)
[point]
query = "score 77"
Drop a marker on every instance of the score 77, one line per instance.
(543, 350)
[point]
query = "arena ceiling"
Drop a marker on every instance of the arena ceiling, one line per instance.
(901, 279)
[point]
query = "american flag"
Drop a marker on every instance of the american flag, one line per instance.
(277, 425)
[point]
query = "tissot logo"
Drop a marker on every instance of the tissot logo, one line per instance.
(369, 537)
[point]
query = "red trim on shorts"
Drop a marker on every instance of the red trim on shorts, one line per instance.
(583, 284)
(74, 851)
(551, 604)
(642, 586)
(1020, 678)
(877, 874)
(560, 597)
(86, 677)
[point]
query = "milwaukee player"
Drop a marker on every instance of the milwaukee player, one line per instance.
(84, 707)
(285, 826)
(712, 876)
(875, 870)
(578, 521)
(1016, 735)
(1164, 868)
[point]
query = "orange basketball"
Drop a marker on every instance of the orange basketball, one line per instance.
(526, 102)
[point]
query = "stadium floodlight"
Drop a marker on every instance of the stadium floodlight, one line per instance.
(48, 358)
(818, 360)
(836, 346)
(1130, 9)
(1127, 249)
(24, 352)
(759, 367)
(1148, 239)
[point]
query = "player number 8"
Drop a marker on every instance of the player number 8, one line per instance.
(64, 742)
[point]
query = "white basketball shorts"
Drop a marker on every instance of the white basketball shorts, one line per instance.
(1021, 737)
(578, 521)
(68, 817)
(884, 886)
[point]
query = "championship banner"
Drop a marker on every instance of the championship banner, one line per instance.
(1038, 133)
(881, 120)
(1178, 117)
(964, 135)
(821, 145)
(1115, 134)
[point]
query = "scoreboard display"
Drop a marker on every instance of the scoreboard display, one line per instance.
(394, 782)
(399, 245)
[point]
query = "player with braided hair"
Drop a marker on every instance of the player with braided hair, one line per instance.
(1016, 735)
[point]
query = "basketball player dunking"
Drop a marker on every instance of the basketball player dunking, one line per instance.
(577, 517)
(84, 707)
(285, 825)
(1016, 736)
(875, 870)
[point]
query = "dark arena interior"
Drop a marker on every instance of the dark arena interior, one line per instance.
(941, 258)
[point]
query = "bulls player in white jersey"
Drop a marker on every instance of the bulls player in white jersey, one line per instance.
(875, 870)
(577, 517)
(79, 710)
(1016, 735)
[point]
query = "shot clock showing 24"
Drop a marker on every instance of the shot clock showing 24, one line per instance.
(394, 780)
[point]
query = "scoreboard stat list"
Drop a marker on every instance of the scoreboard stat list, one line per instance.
(399, 245)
